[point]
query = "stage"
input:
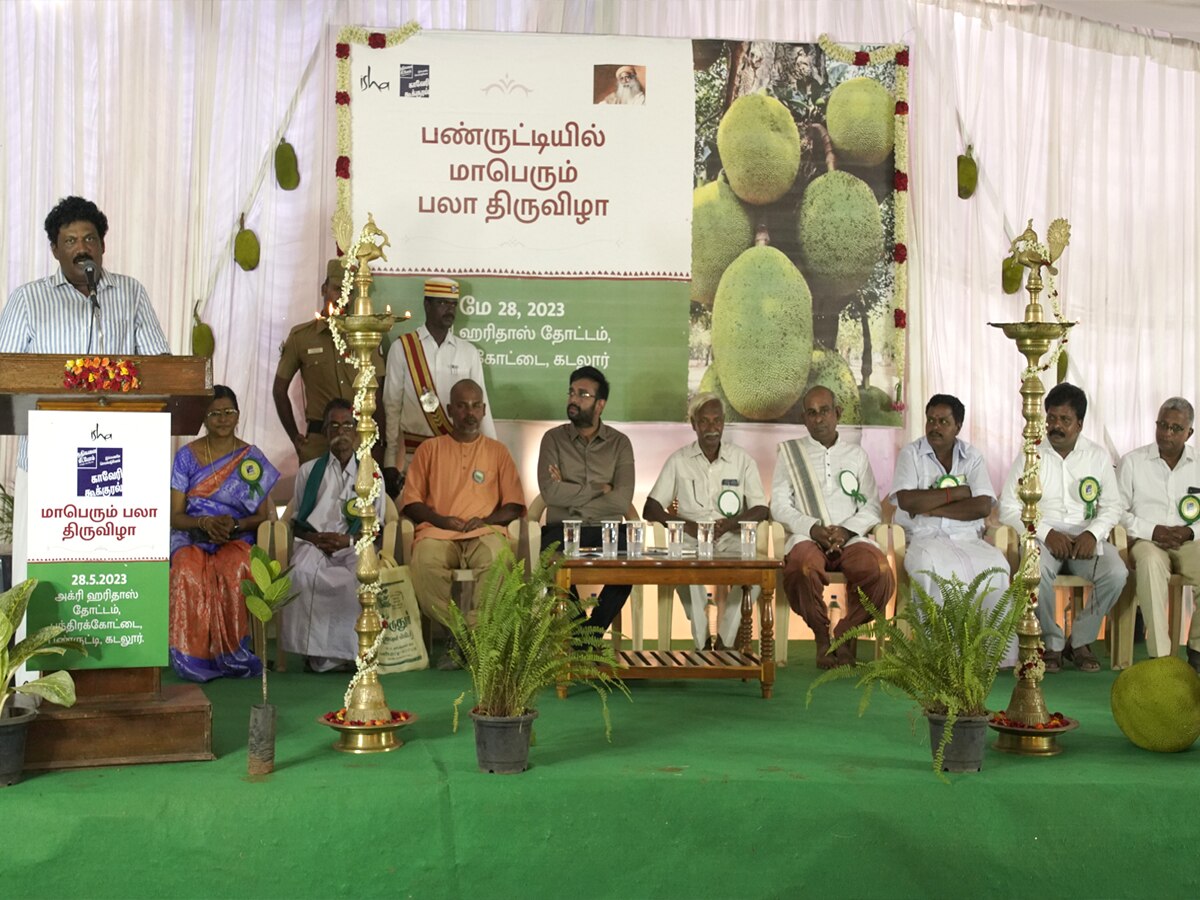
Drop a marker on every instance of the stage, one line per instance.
(706, 790)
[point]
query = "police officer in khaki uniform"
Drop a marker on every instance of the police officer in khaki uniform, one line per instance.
(309, 350)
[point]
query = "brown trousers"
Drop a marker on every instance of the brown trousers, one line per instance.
(864, 566)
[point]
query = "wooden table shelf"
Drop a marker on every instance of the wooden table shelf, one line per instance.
(668, 574)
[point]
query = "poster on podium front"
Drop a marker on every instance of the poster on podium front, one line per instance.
(99, 534)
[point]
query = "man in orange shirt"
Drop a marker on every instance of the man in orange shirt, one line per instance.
(462, 490)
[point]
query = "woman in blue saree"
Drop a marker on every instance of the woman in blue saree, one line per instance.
(219, 488)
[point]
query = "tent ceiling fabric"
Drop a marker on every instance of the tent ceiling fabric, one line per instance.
(1176, 18)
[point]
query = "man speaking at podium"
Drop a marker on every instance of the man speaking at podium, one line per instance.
(80, 309)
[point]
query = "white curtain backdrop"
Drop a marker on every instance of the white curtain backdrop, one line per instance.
(167, 115)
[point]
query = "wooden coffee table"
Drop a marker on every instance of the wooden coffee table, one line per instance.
(669, 573)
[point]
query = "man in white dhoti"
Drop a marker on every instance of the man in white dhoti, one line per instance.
(713, 479)
(943, 494)
(320, 622)
(1080, 504)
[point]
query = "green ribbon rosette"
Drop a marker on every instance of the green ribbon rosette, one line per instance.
(251, 473)
(353, 519)
(1189, 508)
(849, 484)
(947, 481)
(1089, 493)
(729, 503)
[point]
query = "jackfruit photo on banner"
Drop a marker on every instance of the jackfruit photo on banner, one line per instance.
(794, 231)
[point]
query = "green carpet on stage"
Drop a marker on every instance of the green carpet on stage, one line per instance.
(705, 791)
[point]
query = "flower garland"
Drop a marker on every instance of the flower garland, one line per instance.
(363, 453)
(365, 663)
(898, 54)
(99, 373)
(376, 40)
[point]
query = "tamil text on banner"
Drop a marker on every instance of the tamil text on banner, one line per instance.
(511, 163)
(99, 534)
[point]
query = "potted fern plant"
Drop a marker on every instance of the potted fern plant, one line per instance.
(266, 591)
(945, 656)
(57, 687)
(524, 639)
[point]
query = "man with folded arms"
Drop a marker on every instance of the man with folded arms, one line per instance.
(1160, 485)
(1080, 505)
(824, 495)
(943, 494)
(462, 490)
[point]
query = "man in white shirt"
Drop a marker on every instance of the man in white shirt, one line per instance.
(422, 367)
(943, 494)
(824, 495)
(320, 622)
(709, 479)
(1080, 504)
(1160, 486)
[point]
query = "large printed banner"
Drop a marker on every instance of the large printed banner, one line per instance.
(684, 215)
(99, 534)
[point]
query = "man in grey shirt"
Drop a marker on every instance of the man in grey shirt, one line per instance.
(585, 471)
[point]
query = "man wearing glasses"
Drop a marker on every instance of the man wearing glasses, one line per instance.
(1160, 484)
(320, 623)
(585, 471)
(422, 367)
(1080, 504)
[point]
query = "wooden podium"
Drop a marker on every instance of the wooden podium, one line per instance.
(122, 716)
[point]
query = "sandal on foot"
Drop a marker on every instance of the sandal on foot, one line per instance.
(1053, 661)
(1082, 657)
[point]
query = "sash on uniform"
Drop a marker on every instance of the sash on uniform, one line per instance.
(422, 379)
(809, 497)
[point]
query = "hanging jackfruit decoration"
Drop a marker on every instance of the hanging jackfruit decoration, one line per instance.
(245, 247)
(1062, 367)
(968, 174)
(1011, 272)
(203, 342)
(287, 169)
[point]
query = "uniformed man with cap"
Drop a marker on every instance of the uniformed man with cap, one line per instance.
(309, 350)
(422, 366)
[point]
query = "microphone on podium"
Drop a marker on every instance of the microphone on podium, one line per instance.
(89, 270)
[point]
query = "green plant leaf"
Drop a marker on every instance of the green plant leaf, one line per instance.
(250, 589)
(261, 572)
(12, 606)
(277, 590)
(57, 687)
(44, 640)
(259, 609)
(275, 568)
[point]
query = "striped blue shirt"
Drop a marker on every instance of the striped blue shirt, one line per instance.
(50, 316)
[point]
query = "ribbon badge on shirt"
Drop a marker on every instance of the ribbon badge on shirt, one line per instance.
(1089, 493)
(849, 484)
(947, 481)
(350, 513)
(729, 503)
(1189, 508)
(251, 473)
